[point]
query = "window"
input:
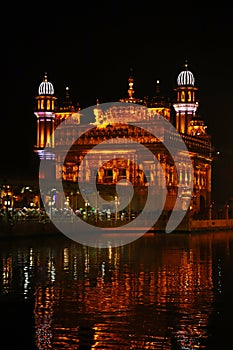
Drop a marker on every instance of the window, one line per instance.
(189, 96)
(122, 173)
(182, 96)
(108, 176)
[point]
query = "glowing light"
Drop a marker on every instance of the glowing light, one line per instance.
(183, 107)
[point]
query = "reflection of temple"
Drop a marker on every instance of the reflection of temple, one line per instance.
(146, 295)
(126, 296)
(103, 127)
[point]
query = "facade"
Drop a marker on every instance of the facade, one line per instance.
(182, 112)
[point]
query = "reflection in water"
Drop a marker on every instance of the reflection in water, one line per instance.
(155, 293)
(6, 274)
(44, 310)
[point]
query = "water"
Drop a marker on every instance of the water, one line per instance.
(163, 291)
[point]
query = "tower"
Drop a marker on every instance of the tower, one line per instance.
(185, 103)
(45, 114)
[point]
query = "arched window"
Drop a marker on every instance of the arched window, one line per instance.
(189, 96)
(48, 104)
(182, 96)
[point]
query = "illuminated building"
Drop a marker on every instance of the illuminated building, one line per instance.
(146, 111)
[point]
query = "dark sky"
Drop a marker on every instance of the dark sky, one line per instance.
(93, 55)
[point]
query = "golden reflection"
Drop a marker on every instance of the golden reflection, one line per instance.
(31, 258)
(44, 308)
(110, 253)
(66, 259)
(155, 293)
(51, 269)
(6, 274)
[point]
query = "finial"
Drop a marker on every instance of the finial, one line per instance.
(97, 102)
(45, 76)
(67, 92)
(131, 79)
(186, 63)
(131, 82)
(157, 87)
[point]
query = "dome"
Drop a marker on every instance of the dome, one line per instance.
(185, 77)
(46, 88)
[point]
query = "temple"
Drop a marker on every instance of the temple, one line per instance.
(114, 122)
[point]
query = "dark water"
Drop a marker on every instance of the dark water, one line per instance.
(163, 291)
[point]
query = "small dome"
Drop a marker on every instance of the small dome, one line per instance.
(46, 88)
(185, 77)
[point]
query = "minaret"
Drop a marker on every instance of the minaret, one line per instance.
(186, 103)
(45, 113)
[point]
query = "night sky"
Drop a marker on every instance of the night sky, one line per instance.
(93, 54)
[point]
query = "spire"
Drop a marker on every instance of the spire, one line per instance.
(157, 89)
(68, 101)
(131, 98)
(131, 82)
(67, 93)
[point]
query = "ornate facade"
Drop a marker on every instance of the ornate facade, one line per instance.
(112, 169)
